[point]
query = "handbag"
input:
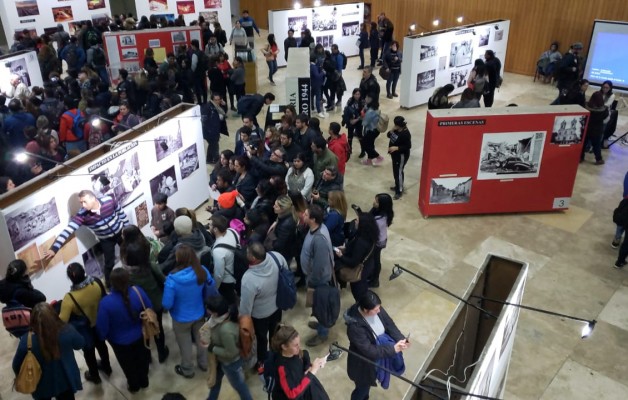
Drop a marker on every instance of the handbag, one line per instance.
(82, 324)
(384, 73)
(212, 368)
(28, 378)
(349, 274)
(150, 324)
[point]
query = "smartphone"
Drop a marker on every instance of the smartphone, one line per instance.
(336, 249)
(327, 355)
(408, 337)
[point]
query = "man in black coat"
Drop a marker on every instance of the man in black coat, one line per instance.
(493, 68)
(368, 84)
(264, 169)
(288, 43)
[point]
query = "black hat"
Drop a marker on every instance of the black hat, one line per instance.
(400, 121)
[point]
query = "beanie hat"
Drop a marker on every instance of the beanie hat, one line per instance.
(400, 121)
(183, 225)
(228, 199)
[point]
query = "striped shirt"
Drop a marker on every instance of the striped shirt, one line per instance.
(105, 224)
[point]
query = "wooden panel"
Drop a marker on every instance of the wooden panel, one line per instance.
(534, 23)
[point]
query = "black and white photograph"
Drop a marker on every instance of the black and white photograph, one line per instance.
(166, 145)
(450, 190)
(130, 54)
(26, 225)
(459, 78)
(19, 68)
(131, 67)
(142, 215)
(92, 260)
(351, 28)
(127, 40)
(428, 52)
(188, 161)
(442, 63)
(178, 37)
(461, 54)
(484, 35)
(165, 183)
(499, 35)
(154, 43)
(511, 155)
(325, 41)
(425, 80)
(120, 180)
(298, 24)
(568, 129)
(324, 21)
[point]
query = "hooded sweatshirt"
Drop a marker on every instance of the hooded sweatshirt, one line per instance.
(195, 240)
(259, 288)
(183, 296)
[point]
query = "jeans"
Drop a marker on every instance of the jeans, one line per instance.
(399, 163)
(317, 93)
(619, 230)
(133, 359)
(361, 57)
(392, 80)
(322, 331)
(109, 251)
(595, 142)
(354, 131)
(264, 329)
(360, 392)
(272, 68)
(103, 75)
(368, 143)
(623, 251)
(183, 332)
(235, 375)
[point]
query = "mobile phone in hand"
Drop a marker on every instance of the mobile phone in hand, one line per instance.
(408, 337)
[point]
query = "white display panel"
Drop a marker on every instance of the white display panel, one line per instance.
(136, 170)
(41, 16)
(211, 10)
(434, 60)
(23, 64)
(334, 24)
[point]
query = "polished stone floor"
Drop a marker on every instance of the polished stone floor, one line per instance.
(570, 272)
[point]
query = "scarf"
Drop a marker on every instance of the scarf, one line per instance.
(87, 281)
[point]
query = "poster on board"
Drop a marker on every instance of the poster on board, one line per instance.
(158, 5)
(212, 3)
(95, 4)
(461, 53)
(298, 23)
(428, 52)
(28, 224)
(324, 20)
(186, 7)
(164, 183)
(568, 129)
(26, 8)
(450, 190)
(188, 161)
(425, 80)
(511, 155)
(62, 14)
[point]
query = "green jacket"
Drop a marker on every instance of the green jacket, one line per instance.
(326, 159)
(152, 281)
(224, 344)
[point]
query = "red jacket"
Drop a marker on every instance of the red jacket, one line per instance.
(65, 127)
(340, 147)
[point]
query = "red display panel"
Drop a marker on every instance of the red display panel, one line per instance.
(516, 159)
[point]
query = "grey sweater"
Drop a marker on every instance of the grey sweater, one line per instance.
(259, 288)
(317, 257)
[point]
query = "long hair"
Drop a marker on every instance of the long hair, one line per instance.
(385, 208)
(186, 257)
(131, 234)
(120, 281)
(367, 227)
(136, 256)
(285, 203)
(271, 39)
(221, 306)
(284, 334)
(298, 201)
(46, 324)
(338, 201)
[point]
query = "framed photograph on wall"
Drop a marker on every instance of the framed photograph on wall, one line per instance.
(511, 155)
(26, 8)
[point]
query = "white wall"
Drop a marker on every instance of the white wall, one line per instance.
(344, 15)
(223, 7)
(417, 65)
(43, 17)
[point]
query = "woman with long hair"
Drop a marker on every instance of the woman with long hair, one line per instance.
(283, 230)
(383, 212)
(595, 127)
(150, 247)
(359, 250)
(119, 323)
(300, 177)
(223, 343)
(265, 200)
(237, 81)
(335, 217)
(392, 62)
(244, 182)
(351, 119)
(299, 205)
(184, 295)
(222, 164)
(53, 344)
(257, 226)
(270, 53)
(370, 120)
(296, 373)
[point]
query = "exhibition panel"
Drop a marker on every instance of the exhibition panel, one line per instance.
(211, 10)
(446, 57)
(298, 85)
(42, 16)
(331, 24)
(487, 160)
(165, 159)
(23, 64)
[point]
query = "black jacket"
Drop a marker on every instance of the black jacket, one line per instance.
(400, 139)
(291, 375)
(285, 232)
(20, 291)
(362, 341)
(264, 169)
(246, 187)
(369, 87)
(357, 251)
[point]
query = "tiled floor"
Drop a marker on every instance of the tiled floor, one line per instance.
(570, 272)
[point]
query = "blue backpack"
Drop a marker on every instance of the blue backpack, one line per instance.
(286, 288)
(269, 377)
(78, 124)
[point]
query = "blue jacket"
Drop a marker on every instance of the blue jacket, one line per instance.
(57, 376)
(248, 23)
(317, 76)
(183, 296)
(114, 323)
(338, 61)
(14, 125)
(335, 225)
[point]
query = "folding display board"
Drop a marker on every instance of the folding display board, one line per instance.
(25, 65)
(211, 10)
(166, 159)
(126, 49)
(498, 160)
(330, 24)
(298, 85)
(436, 59)
(42, 16)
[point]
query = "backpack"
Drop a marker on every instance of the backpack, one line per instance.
(150, 324)
(382, 123)
(16, 318)
(620, 215)
(203, 62)
(286, 297)
(247, 342)
(71, 56)
(344, 60)
(78, 124)
(98, 57)
(240, 262)
(270, 373)
(28, 378)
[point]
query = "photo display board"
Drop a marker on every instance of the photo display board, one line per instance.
(211, 10)
(42, 16)
(166, 159)
(433, 60)
(334, 24)
(25, 65)
(491, 160)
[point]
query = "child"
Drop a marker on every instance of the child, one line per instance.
(160, 214)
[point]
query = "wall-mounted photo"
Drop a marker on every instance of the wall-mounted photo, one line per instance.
(178, 37)
(158, 5)
(484, 35)
(95, 4)
(20, 68)
(450, 190)
(26, 8)
(129, 54)
(62, 14)
(31, 257)
(325, 41)
(459, 78)
(499, 35)
(119, 180)
(428, 52)
(351, 28)
(25, 225)
(213, 3)
(425, 80)
(75, 26)
(461, 54)
(442, 63)
(324, 21)
(154, 43)
(186, 7)
(188, 161)
(127, 40)
(166, 145)
(165, 183)
(568, 129)
(141, 215)
(511, 155)
(210, 16)
(298, 24)
(168, 17)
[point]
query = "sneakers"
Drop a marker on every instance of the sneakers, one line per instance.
(179, 371)
(619, 264)
(312, 324)
(322, 114)
(315, 341)
(615, 243)
(378, 161)
(366, 161)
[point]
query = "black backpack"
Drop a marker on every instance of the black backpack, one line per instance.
(620, 215)
(286, 287)
(98, 57)
(240, 262)
(270, 373)
(71, 56)
(344, 61)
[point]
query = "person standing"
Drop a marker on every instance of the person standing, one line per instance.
(369, 85)
(569, 68)
(317, 78)
(248, 23)
(374, 43)
(104, 217)
(337, 143)
(224, 273)
(370, 120)
(493, 70)
(399, 145)
(364, 43)
(270, 53)
(288, 43)
(317, 262)
(383, 212)
(595, 127)
(199, 65)
(392, 62)
(214, 123)
(238, 38)
(374, 335)
(53, 343)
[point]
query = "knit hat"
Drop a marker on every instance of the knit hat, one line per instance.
(183, 225)
(400, 121)
(577, 45)
(228, 199)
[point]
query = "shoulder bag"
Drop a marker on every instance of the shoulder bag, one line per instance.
(353, 274)
(150, 325)
(82, 324)
(28, 378)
